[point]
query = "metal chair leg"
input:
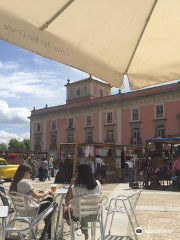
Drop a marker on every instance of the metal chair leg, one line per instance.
(62, 229)
(8, 234)
(102, 230)
(53, 234)
(135, 218)
(108, 213)
(132, 226)
(111, 222)
(72, 231)
(58, 215)
(93, 231)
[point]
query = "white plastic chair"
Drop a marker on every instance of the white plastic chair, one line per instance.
(123, 204)
(89, 206)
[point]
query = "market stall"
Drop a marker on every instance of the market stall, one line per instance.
(135, 165)
(159, 161)
(114, 158)
(86, 153)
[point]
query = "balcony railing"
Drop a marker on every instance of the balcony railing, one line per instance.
(135, 141)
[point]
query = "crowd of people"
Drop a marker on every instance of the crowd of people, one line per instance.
(41, 168)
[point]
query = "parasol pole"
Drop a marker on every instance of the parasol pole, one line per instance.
(75, 158)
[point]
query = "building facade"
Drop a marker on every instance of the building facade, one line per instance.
(92, 114)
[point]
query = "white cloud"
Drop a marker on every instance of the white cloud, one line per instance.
(9, 66)
(8, 94)
(38, 60)
(1, 64)
(38, 84)
(6, 136)
(13, 115)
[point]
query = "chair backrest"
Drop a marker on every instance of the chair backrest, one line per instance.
(89, 205)
(4, 197)
(134, 198)
(19, 202)
(127, 202)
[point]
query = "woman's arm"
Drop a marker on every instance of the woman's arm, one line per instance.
(37, 195)
(69, 194)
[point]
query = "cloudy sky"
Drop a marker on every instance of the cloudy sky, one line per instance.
(26, 81)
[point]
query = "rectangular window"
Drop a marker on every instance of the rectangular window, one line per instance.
(38, 142)
(54, 141)
(101, 92)
(70, 138)
(135, 114)
(38, 127)
(88, 120)
(106, 93)
(53, 125)
(159, 111)
(70, 123)
(95, 91)
(109, 117)
(110, 136)
(71, 93)
(89, 137)
(136, 133)
(160, 131)
(85, 92)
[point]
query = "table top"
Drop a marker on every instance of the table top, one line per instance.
(3, 211)
(61, 191)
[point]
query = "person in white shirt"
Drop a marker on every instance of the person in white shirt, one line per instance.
(83, 184)
(98, 162)
(21, 183)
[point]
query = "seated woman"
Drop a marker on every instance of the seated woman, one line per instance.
(22, 184)
(83, 184)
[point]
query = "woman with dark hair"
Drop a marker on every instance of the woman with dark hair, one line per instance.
(83, 184)
(22, 184)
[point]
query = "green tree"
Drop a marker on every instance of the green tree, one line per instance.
(26, 142)
(3, 146)
(15, 144)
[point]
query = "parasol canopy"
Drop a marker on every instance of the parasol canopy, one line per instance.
(105, 38)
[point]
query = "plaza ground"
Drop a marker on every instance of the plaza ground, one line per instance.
(158, 213)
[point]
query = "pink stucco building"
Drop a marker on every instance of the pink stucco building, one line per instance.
(92, 114)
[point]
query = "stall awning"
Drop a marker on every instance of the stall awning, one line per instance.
(164, 140)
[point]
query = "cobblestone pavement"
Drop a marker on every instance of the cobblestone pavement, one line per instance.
(158, 213)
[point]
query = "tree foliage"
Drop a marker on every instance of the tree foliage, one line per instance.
(3, 146)
(15, 144)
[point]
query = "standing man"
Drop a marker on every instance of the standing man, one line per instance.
(98, 162)
(176, 166)
(45, 169)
